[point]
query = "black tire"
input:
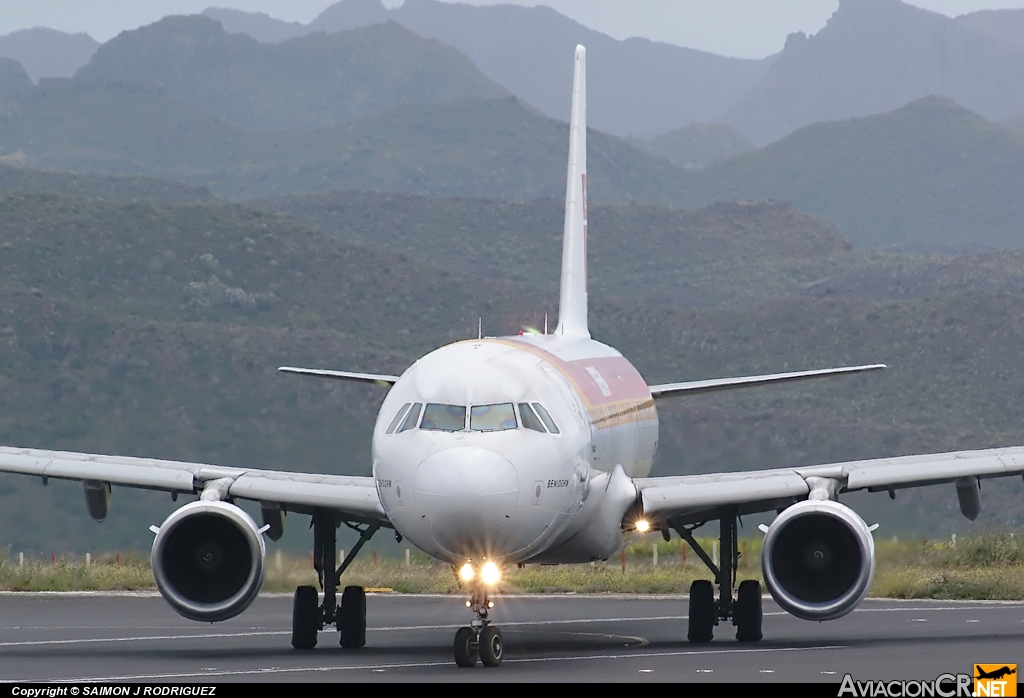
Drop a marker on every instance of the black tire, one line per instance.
(491, 646)
(702, 612)
(352, 617)
(746, 612)
(466, 650)
(305, 618)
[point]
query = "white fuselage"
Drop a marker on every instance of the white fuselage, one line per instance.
(493, 483)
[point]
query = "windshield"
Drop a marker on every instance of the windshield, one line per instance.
(444, 417)
(492, 417)
(529, 417)
(545, 417)
(410, 419)
(398, 418)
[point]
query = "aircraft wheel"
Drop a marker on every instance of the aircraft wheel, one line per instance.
(747, 611)
(491, 646)
(702, 611)
(305, 618)
(467, 650)
(352, 617)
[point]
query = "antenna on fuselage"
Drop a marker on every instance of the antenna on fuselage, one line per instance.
(479, 328)
(545, 323)
(572, 303)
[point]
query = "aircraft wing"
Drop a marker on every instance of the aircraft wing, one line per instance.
(714, 384)
(353, 498)
(378, 378)
(695, 498)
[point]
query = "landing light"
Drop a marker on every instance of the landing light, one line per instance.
(466, 573)
(643, 525)
(490, 573)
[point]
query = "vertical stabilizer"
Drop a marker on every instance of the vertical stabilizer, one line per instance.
(572, 302)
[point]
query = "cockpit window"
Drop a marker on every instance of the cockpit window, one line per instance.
(546, 418)
(398, 418)
(529, 417)
(492, 417)
(444, 417)
(411, 418)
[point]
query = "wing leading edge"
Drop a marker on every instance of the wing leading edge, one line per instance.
(691, 498)
(707, 386)
(378, 378)
(353, 497)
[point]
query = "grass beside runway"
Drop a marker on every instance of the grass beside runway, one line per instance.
(114, 572)
(980, 567)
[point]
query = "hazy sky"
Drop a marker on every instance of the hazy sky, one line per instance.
(747, 28)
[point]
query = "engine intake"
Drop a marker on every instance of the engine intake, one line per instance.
(209, 560)
(818, 559)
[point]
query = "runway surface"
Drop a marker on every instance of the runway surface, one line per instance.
(45, 637)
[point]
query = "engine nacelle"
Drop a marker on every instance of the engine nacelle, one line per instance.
(209, 560)
(818, 559)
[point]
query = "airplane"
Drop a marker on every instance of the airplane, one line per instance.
(995, 673)
(534, 448)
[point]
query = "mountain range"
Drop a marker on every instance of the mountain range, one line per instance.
(634, 87)
(316, 80)
(696, 146)
(1005, 26)
(928, 176)
(48, 53)
(486, 147)
(872, 56)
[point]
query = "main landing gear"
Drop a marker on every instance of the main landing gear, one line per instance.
(308, 616)
(705, 611)
(480, 640)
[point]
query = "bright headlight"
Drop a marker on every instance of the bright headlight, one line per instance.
(466, 572)
(643, 526)
(490, 573)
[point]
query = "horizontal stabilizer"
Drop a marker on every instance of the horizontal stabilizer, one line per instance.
(341, 375)
(707, 386)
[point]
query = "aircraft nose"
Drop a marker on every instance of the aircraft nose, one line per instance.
(469, 494)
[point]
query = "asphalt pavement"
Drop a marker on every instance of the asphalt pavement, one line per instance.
(137, 637)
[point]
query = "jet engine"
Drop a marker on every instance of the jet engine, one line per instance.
(209, 560)
(818, 558)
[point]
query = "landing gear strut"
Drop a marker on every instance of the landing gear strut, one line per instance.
(480, 640)
(308, 618)
(705, 611)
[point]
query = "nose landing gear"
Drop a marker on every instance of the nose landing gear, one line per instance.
(480, 640)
